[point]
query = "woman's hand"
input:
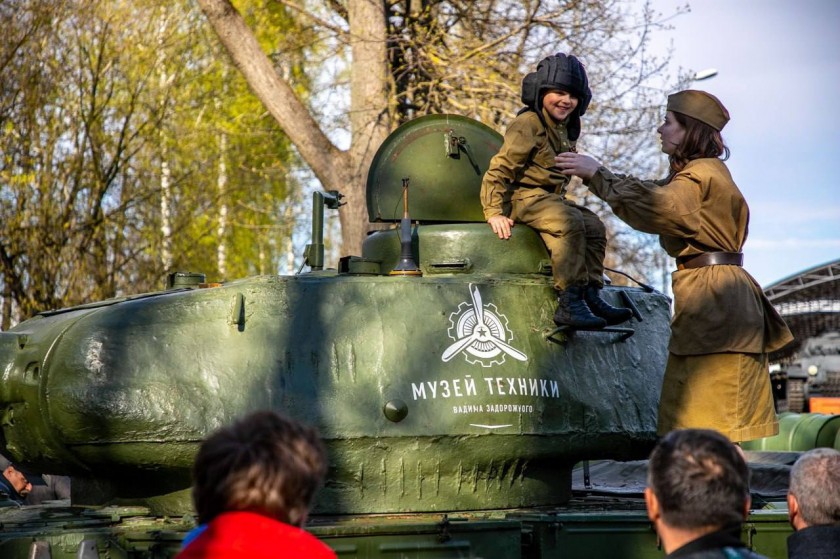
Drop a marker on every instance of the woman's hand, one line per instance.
(501, 225)
(570, 163)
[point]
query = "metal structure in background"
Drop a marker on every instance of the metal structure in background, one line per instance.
(806, 375)
(809, 302)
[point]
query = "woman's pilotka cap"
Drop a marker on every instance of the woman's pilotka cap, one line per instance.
(703, 106)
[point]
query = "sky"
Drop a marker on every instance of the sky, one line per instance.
(778, 64)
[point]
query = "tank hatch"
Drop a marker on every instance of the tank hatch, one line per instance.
(444, 158)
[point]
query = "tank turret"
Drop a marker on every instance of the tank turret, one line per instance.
(438, 391)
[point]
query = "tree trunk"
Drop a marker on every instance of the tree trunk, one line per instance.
(369, 120)
(221, 230)
(165, 173)
(334, 168)
(6, 306)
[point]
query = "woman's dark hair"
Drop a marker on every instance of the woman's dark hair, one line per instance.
(701, 140)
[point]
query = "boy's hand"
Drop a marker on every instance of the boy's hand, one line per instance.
(501, 225)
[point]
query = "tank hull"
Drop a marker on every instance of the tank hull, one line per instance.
(120, 395)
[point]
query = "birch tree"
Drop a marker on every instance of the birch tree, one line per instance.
(111, 174)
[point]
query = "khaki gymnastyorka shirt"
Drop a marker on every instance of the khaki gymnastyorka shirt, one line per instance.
(716, 308)
(525, 160)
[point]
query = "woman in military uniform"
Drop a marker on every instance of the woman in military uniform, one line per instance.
(723, 326)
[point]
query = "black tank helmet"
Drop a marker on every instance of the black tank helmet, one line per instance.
(558, 72)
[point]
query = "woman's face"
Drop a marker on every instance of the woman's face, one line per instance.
(559, 104)
(671, 133)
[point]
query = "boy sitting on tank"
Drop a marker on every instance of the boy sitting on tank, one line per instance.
(523, 186)
(253, 483)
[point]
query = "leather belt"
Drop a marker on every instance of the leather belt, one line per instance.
(547, 187)
(710, 259)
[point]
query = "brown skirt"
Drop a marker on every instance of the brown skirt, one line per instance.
(728, 392)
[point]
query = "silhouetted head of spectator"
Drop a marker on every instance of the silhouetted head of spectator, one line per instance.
(697, 481)
(263, 463)
(814, 493)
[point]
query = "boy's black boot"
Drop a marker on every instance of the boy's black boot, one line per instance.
(572, 310)
(599, 307)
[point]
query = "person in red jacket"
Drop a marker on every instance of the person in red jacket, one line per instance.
(253, 484)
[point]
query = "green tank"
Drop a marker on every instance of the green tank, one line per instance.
(448, 401)
(811, 380)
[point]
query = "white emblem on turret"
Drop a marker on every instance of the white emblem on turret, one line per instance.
(481, 333)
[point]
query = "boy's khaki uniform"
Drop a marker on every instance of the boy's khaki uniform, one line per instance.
(523, 184)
